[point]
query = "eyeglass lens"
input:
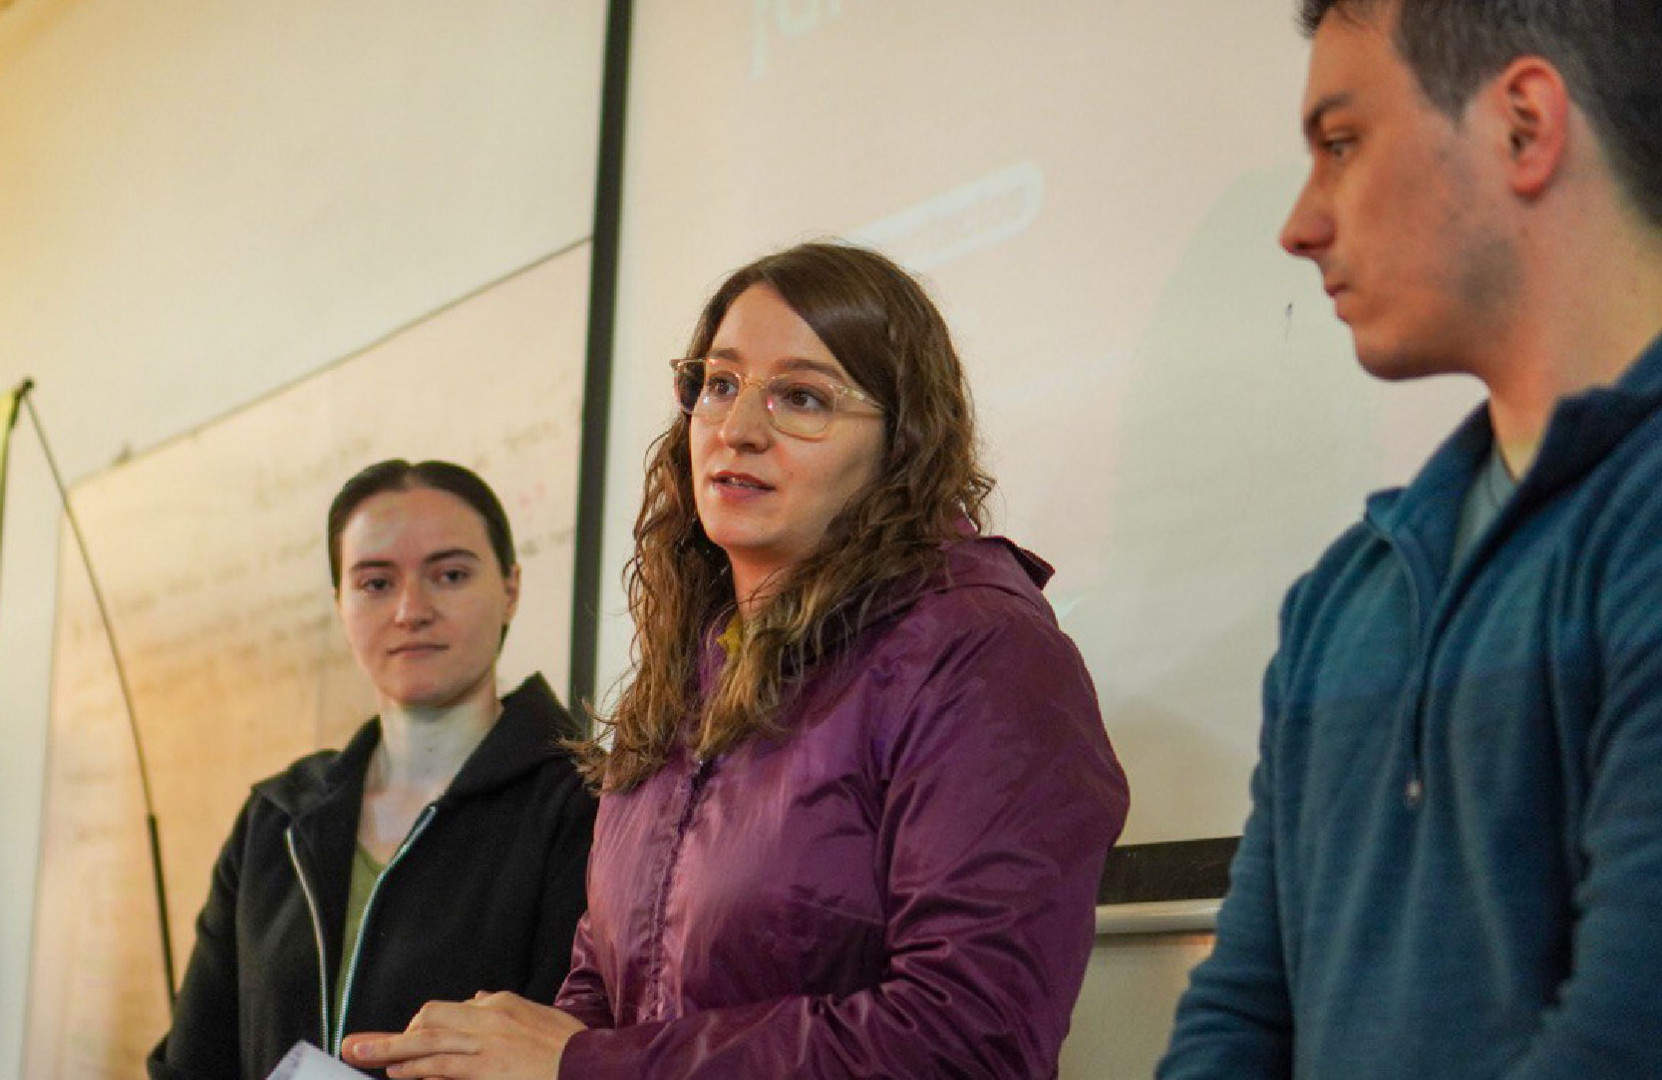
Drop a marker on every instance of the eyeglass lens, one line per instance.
(798, 403)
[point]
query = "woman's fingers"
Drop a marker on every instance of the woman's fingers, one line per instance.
(495, 1036)
(360, 1046)
(442, 1067)
(387, 1048)
(441, 1027)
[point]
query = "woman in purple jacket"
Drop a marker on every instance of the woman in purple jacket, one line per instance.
(858, 794)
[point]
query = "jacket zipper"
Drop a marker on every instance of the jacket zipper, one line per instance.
(317, 936)
(1411, 717)
(695, 788)
(1413, 724)
(363, 923)
(1428, 635)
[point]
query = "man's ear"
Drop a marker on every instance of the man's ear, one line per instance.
(1532, 105)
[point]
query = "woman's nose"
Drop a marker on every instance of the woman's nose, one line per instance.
(413, 609)
(747, 424)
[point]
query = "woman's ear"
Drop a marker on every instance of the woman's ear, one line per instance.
(510, 583)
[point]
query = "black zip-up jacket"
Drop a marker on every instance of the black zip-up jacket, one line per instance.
(484, 894)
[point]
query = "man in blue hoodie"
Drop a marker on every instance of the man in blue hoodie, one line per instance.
(1453, 866)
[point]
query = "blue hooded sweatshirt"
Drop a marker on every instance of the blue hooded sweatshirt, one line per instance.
(1453, 865)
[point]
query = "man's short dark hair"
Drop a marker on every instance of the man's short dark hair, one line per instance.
(1608, 51)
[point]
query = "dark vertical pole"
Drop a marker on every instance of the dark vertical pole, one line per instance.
(7, 422)
(597, 382)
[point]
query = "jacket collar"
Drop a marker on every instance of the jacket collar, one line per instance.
(973, 561)
(526, 735)
(1585, 427)
(1581, 432)
(979, 561)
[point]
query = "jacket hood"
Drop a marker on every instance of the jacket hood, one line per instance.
(974, 561)
(527, 734)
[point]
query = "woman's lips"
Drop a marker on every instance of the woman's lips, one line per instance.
(739, 482)
(419, 648)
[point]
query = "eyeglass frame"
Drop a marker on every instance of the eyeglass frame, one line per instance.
(838, 387)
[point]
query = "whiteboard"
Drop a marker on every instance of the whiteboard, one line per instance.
(1092, 191)
(211, 553)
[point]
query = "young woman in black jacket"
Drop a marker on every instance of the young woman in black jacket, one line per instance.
(442, 852)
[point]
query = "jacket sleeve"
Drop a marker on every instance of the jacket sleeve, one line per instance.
(584, 993)
(1235, 1019)
(1000, 798)
(565, 896)
(1607, 1013)
(203, 1043)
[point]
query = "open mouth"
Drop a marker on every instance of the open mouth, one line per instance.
(741, 482)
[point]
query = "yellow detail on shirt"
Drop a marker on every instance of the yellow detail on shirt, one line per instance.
(733, 636)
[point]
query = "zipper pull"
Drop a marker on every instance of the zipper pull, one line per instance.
(1413, 793)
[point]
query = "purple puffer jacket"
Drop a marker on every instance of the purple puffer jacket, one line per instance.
(901, 887)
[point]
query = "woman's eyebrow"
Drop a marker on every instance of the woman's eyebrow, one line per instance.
(451, 553)
(825, 367)
(437, 556)
(790, 363)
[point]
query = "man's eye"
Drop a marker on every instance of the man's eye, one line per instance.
(374, 584)
(1338, 147)
(454, 575)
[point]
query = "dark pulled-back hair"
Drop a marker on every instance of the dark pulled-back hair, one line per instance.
(887, 334)
(1609, 53)
(396, 474)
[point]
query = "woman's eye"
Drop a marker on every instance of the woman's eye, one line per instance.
(721, 387)
(804, 397)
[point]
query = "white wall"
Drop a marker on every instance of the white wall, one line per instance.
(202, 200)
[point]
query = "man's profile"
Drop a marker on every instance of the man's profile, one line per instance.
(1453, 865)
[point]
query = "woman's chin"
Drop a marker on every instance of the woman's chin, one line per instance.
(433, 696)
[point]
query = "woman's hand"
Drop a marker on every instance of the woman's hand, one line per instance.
(492, 1037)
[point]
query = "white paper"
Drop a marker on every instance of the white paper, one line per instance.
(306, 1062)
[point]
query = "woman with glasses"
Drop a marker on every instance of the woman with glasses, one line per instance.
(440, 853)
(858, 793)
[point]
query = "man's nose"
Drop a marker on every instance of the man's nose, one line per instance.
(1308, 230)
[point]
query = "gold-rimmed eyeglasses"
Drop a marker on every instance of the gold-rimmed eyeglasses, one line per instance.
(799, 403)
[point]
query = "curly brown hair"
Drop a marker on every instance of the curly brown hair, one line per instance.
(884, 330)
